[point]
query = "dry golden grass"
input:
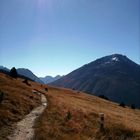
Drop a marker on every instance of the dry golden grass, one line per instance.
(120, 123)
(18, 101)
(54, 123)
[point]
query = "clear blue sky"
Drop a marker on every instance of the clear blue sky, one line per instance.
(53, 37)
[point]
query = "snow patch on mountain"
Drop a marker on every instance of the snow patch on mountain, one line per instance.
(115, 59)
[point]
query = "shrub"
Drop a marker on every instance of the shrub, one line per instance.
(132, 106)
(1, 96)
(69, 115)
(103, 97)
(26, 82)
(46, 89)
(122, 104)
(13, 72)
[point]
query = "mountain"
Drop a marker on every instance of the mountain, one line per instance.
(4, 68)
(22, 73)
(114, 76)
(49, 79)
(29, 74)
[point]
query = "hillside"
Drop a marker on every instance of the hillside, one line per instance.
(115, 76)
(54, 124)
(18, 100)
(82, 123)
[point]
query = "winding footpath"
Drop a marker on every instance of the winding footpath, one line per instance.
(25, 128)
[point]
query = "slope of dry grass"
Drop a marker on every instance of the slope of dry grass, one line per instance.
(120, 123)
(55, 123)
(18, 101)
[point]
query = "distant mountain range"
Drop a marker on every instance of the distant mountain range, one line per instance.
(29, 74)
(4, 69)
(26, 73)
(114, 76)
(49, 79)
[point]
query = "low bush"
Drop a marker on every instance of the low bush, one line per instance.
(122, 104)
(69, 115)
(1, 96)
(46, 89)
(26, 82)
(103, 97)
(133, 106)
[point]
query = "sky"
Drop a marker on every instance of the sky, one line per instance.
(52, 37)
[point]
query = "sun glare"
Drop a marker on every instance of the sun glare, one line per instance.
(47, 4)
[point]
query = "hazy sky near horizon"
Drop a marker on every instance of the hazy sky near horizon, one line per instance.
(53, 37)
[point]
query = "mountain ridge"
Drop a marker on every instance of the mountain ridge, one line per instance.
(48, 79)
(23, 72)
(114, 76)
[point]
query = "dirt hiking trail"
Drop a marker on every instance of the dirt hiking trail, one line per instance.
(24, 128)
